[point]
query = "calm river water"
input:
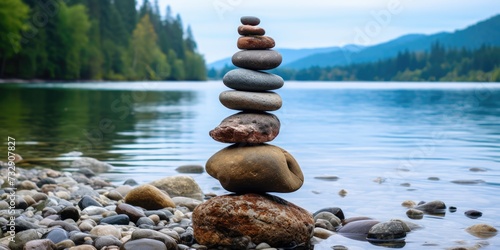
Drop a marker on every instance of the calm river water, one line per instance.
(382, 140)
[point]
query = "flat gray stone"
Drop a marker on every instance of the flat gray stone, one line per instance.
(250, 20)
(245, 100)
(257, 59)
(252, 80)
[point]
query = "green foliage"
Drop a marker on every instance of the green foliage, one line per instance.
(13, 14)
(94, 40)
(72, 26)
(146, 57)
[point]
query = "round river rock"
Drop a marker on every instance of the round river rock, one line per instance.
(245, 100)
(250, 20)
(255, 168)
(252, 80)
(257, 59)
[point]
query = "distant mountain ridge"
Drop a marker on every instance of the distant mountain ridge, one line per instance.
(484, 32)
(471, 37)
(291, 55)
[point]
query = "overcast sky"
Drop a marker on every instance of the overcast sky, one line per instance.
(324, 23)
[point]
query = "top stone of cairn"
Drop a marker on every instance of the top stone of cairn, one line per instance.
(250, 20)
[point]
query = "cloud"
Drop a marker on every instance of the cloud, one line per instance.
(319, 23)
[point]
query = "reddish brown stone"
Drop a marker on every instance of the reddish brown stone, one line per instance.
(249, 30)
(247, 128)
(230, 219)
(255, 42)
(255, 168)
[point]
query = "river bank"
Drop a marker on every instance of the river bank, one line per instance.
(49, 209)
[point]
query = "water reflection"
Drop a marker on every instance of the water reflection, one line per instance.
(419, 141)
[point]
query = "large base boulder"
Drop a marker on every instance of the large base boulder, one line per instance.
(255, 168)
(234, 221)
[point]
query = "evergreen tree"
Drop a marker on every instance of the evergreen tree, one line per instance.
(13, 14)
(95, 39)
(146, 57)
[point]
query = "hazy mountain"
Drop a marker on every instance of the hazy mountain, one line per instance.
(484, 32)
(291, 55)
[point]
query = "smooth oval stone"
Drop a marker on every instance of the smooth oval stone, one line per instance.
(322, 233)
(152, 234)
(415, 214)
(145, 221)
(149, 197)
(357, 230)
(256, 168)
(252, 80)
(331, 218)
(250, 101)
(324, 224)
(180, 185)
(483, 231)
(247, 128)
(257, 59)
(250, 20)
(57, 235)
(255, 42)
(193, 169)
(21, 238)
(249, 30)
(473, 214)
(44, 244)
(432, 207)
(187, 202)
(65, 225)
(387, 231)
(108, 240)
(334, 210)
(88, 201)
(103, 230)
(134, 213)
(120, 219)
(45, 181)
(144, 244)
(70, 212)
(114, 195)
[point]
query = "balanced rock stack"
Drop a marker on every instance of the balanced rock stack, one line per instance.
(249, 167)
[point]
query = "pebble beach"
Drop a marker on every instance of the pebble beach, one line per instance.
(51, 209)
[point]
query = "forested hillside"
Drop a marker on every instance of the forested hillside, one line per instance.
(94, 40)
(439, 64)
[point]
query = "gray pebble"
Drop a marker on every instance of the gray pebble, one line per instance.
(252, 80)
(257, 59)
(250, 20)
(244, 100)
(387, 231)
(145, 221)
(107, 240)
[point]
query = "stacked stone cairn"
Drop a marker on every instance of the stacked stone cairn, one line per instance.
(250, 167)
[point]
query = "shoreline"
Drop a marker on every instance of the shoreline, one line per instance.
(72, 210)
